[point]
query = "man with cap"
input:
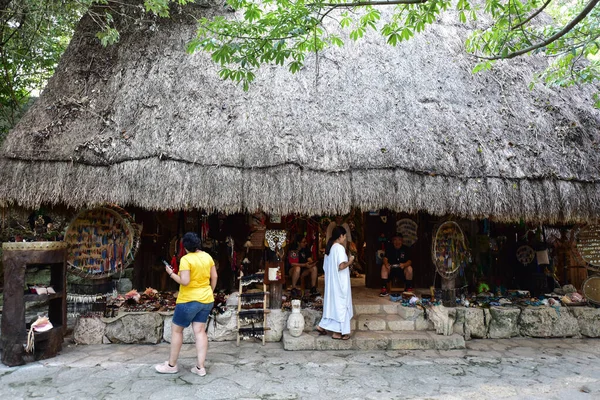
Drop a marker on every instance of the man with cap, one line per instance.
(396, 260)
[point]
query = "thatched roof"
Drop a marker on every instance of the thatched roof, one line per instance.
(408, 128)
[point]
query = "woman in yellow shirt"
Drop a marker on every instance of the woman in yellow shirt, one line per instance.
(197, 279)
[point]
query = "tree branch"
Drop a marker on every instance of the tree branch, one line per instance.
(590, 6)
(369, 3)
(532, 16)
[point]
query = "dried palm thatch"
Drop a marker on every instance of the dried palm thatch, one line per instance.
(408, 128)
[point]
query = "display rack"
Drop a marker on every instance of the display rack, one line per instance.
(252, 308)
(18, 258)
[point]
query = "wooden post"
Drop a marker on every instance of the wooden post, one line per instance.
(371, 233)
(3, 217)
(239, 308)
(275, 286)
(264, 335)
(449, 292)
(275, 292)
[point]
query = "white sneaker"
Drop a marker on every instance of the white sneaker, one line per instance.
(165, 368)
(199, 371)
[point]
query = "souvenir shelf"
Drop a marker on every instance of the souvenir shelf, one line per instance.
(252, 308)
(18, 258)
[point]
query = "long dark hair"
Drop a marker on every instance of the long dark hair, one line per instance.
(335, 235)
(298, 239)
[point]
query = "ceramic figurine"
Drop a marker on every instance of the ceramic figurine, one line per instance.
(295, 323)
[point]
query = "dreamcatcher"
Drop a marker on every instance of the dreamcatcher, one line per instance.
(450, 253)
(525, 255)
(102, 241)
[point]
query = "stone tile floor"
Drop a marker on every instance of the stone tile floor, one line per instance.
(486, 369)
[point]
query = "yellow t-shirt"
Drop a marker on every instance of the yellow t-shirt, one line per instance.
(199, 264)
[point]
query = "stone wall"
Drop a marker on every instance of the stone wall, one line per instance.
(151, 328)
(493, 323)
(538, 322)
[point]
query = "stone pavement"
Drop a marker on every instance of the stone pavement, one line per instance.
(486, 369)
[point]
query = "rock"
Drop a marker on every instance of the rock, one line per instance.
(311, 319)
(188, 333)
(136, 328)
(588, 320)
(277, 321)
(224, 328)
(503, 322)
(416, 315)
(89, 331)
(442, 318)
(548, 322)
(568, 289)
(475, 322)
(232, 300)
(423, 324)
(225, 317)
(459, 323)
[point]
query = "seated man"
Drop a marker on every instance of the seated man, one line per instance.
(396, 259)
(301, 265)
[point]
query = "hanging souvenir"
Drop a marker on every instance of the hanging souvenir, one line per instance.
(102, 241)
(276, 241)
(450, 253)
(525, 255)
(588, 245)
(408, 228)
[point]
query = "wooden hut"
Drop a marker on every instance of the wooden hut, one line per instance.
(367, 126)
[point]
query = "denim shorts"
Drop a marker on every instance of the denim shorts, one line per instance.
(194, 311)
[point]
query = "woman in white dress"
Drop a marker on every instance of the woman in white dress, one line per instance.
(337, 303)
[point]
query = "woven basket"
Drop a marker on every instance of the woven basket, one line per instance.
(588, 246)
(591, 289)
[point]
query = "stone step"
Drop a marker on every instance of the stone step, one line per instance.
(383, 322)
(392, 317)
(389, 308)
(375, 340)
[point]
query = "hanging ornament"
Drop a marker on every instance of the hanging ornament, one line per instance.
(525, 255)
(275, 239)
